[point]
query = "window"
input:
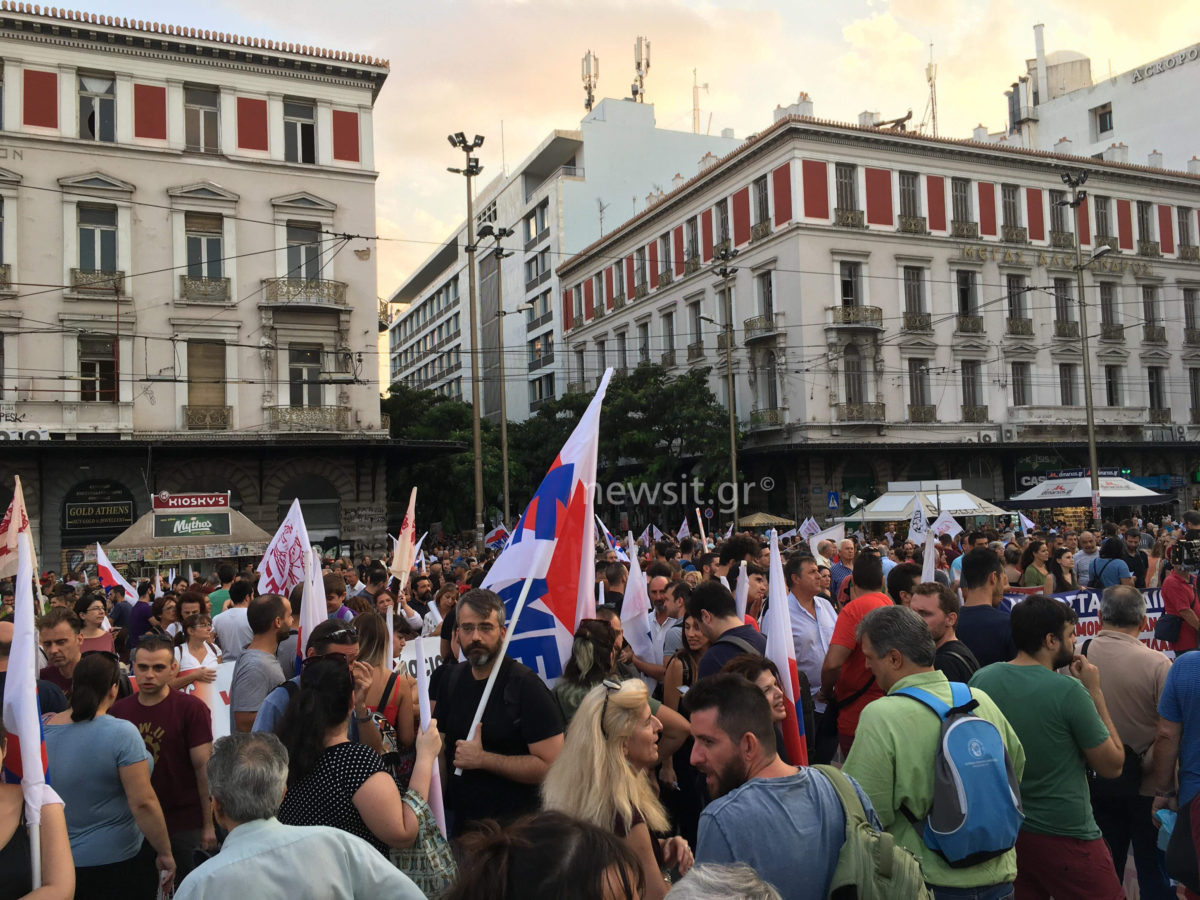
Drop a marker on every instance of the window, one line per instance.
(972, 382)
(299, 132)
(960, 196)
(697, 326)
(622, 350)
(601, 355)
(200, 118)
(1112, 385)
(1022, 384)
(762, 202)
(598, 289)
(1103, 118)
(668, 329)
(1017, 308)
(722, 209)
(304, 252)
(97, 238)
(97, 369)
(1145, 220)
(1103, 207)
(968, 301)
(541, 346)
(536, 266)
(910, 194)
(619, 279)
(577, 298)
(914, 289)
(1068, 373)
(639, 266)
(725, 301)
(856, 388)
(206, 373)
(1191, 297)
(1063, 307)
(1010, 205)
(535, 222)
(97, 108)
(766, 296)
(204, 254)
(691, 239)
(1156, 382)
(846, 183)
(304, 375)
(580, 364)
(1150, 304)
(541, 389)
(664, 253)
(1058, 211)
(1183, 215)
(1194, 388)
(1109, 312)
(851, 273)
(643, 339)
(918, 382)
(539, 306)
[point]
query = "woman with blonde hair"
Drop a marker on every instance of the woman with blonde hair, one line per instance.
(601, 777)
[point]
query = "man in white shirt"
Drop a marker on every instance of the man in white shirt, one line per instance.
(231, 628)
(813, 619)
(1087, 552)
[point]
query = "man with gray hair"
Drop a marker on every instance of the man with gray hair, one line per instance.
(897, 742)
(263, 858)
(1132, 677)
(713, 882)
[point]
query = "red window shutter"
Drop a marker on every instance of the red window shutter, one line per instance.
(987, 208)
(706, 236)
(816, 189)
(41, 99)
(589, 302)
(608, 287)
(679, 251)
(781, 180)
(935, 202)
(1083, 226)
(568, 310)
(1124, 225)
(629, 275)
(741, 217)
(653, 254)
(1166, 229)
(1033, 214)
(345, 135)
(150, 112)
(879, 197)
(252, 123)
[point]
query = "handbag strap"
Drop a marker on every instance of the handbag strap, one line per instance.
(387, 692)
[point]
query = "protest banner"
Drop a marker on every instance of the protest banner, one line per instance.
(1086, 604)
(215, 695)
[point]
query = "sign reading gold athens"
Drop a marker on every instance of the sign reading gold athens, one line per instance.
(1112, 265)
(97, 506)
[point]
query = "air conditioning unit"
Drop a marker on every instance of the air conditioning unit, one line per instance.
(1181, 432)
(971, 439)
(1008, 434)
(25, 434)
(986, 437)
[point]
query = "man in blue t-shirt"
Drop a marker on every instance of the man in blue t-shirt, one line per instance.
(714, 609)
(1178, 740)
(982, 625)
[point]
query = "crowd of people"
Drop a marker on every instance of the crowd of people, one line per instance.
(664, 774)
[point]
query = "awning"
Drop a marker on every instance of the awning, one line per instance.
(1114, 491)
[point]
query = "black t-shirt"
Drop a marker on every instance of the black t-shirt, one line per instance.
(722, 650)
(51, 698)
(956, 661)
(520, 712)
(1139, 565)
(987, 631)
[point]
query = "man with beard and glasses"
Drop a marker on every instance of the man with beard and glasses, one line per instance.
(1065, 729)
(784, 822)
(521, 732)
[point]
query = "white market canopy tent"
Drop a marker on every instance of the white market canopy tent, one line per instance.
(187, 526)
(1114, 491)
(937, 497)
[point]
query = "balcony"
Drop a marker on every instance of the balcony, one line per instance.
(760, 230)
(1108, 240)
(92, 281)
(641, 291)
(618, 301)
(1066, 329)
(860, 412)
(577, 387)
(665, 277)
(856, 317)
(1114, 333)
(537, 281)
(308, 418)
(691, 265)
(540, 362)
(196, 289)
(766, 418)
(207, 418)
(1189, 254)
(1019, 327)
(1062, 240)
(668, 359)
(974, 415)
(922, 414)
(1014, 234)
(724, 341)
(537, 239)
(5, 277)
(912, 225)
(915, 321)
(1160, 417)
(531, 324)
(1149, 248)
(968, 324)
(598, 311)
(758, 327)
(695, 352)
(1154, 334)
(1191, 337)
(849, 218)
(968, 230)
(304, 292)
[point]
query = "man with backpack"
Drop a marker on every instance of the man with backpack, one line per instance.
(901, 761)
(1065, 728)
(714, 609)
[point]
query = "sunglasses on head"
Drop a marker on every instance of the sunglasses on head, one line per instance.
(344, 635)
(340, 657)
(609, 687)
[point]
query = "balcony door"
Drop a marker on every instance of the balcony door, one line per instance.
(856, 388)
(304, 375)
(206, 373)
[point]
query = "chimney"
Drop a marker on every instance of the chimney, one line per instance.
(677, 180)
(1193, 165)
(707, 160)
(868, 119)
(1154, 159)
(980, 134)
(1063, 146)
(802, 107)
(1040, 46)
(727, 133)
(1117, 153)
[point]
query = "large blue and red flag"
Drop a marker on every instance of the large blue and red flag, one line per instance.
(554, 544)
(781, 651)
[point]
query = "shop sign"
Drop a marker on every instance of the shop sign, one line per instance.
(175, 525)
(97, 506)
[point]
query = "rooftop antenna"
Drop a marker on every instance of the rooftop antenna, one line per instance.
(591, 75)
(930, 117)
(641, 60)
(602, 206)
(696, 88)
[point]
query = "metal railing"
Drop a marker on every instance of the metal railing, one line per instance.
(1066, 329)
(1019, 327)
(665, 277)
(766, 418)
(1114, 333)
(1062, 240)
(207, 418)
(849, 218)
(759, 327)
(857, 316)
(1149, 248)
(1191, 337)
(968, 230)
(915, 321)
(921, 413)
(304, 290)
(974, 414)
(1014, 234)
(199, 289)
(912, 225)
(668, 359)
(760, 230)
(860, 412)
(1154, 334)
(309, 418)
(695, 351)
(1160, 416)
(1190, 254)
(968, 324)
(96, 280)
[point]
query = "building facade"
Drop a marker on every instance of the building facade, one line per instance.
(180, 308)
(557, 201)
(905, 308)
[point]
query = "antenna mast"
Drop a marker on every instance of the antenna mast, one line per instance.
(602, 206)
(641, 60)
(591, 75)
(930, 117)
(696, 88)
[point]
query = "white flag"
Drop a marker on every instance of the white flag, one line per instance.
(644, 538)
(658, 535)
(809, 527)
(837, 534)
(946, 524)
(283, 565)
(683, 531)
(1026, 525)
(406, 549)
(928, 556)
(742, 593)
(729, 531)
(917, 526)
(21, 711)
(791, 533)
(635, 614)
(313, 609)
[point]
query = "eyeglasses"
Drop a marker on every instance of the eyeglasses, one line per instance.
(609, 687)
(484, 628)
(96, 608)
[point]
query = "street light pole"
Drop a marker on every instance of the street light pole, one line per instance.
(499, 234)
(725, 272)
(469, 171)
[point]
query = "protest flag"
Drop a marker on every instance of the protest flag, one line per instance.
(14, 523)
(781, 651)
(635, 614)
(741, 592)
(611, 542)
(288, 555)
(313, 609)
(110, 577)
(684, 530)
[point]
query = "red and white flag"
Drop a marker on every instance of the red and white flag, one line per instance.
(110, 577)
(406, 543)
(14, 523)
(283, 565)
(781, 651)
(684, 530)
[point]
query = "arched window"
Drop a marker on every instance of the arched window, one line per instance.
(856, 390)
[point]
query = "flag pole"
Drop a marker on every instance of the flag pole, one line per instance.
(700, 523)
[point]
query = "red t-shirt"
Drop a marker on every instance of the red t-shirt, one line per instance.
(170, 730)
(855, 673)
(1178, 594)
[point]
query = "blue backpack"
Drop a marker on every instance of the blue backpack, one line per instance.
(976, 810)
